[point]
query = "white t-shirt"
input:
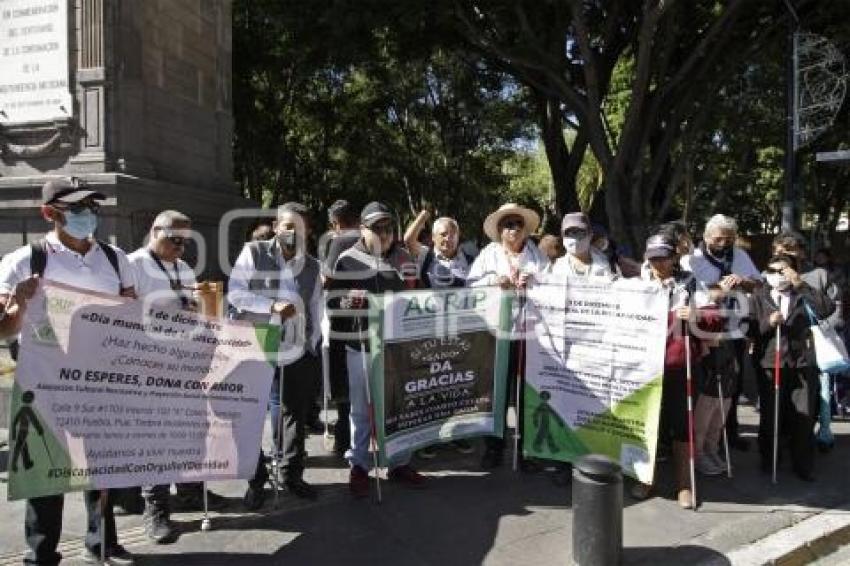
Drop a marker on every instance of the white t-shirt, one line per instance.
(91, 271)
(707, 273)
(152, 283)
(493, 262)
(442, 270)
(599, 267)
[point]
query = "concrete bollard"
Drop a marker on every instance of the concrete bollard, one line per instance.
(597, 511)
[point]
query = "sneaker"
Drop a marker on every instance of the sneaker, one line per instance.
(358, 482)
(299, 488)
(427, 453)
(407, 476)
(463, 446)
(706, 467)
(254, 498)
(158, 526)
(116, 556)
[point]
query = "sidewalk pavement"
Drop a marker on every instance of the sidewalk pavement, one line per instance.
(470, 517)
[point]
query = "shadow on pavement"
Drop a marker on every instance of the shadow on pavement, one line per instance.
(687, 554)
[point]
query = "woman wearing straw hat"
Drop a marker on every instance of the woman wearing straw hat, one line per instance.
(510, 261)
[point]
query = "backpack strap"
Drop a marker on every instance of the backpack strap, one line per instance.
(38, 257)
(112, 257)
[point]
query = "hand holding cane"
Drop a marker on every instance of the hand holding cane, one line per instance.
(777, 382)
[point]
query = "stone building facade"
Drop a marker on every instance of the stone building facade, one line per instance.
(149, 124)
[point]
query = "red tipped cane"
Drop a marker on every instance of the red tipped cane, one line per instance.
(691, 443)
(777, 382)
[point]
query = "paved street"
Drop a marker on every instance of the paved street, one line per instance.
(468, 517)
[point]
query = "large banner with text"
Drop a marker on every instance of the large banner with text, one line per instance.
(112, 393)
(439, 362)
(594, 365)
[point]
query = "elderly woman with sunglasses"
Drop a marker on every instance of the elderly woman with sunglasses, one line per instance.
(510, 261)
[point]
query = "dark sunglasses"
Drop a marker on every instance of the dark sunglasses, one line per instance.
(771, 270)
(513, 225)
(382, 228)
(575, 233)
(178, 240)
(78, 207)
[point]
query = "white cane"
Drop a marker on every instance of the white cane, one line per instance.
(725, 434)
(103, 502)
(328, 438)
(206, 524)
(690, 395)
(777, 381)
(373, 440)
(519, 373)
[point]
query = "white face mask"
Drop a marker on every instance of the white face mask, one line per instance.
(778, 281)
(575, 246)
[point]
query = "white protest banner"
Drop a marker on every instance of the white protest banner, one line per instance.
(594, 365)
(108, 395)
(439, 366)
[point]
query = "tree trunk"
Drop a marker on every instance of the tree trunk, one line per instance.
(557, 154)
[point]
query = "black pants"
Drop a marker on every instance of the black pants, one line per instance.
(673, 422)
(299, 387)
(43, 526)
(743, 357)
(497, 443)
(798, 397)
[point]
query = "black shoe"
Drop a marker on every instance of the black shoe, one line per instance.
(825, 447)
(299, 488)
(739, 444)
(158, 526)
(128, 500)
(116, 556)
(492, 458)
(254, 498)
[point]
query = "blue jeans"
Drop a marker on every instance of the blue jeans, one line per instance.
(358, 454)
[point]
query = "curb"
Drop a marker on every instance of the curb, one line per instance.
(810, 539)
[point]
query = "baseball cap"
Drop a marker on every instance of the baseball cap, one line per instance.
(575, 220)
(658, 246)
(374, 212)
(67, 190)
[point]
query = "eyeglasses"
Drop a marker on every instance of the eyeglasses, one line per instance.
(773, 271)
(575, 233)
(78, 207)
(512, 225)
(382, 228)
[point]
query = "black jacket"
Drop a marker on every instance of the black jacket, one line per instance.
(797, 349)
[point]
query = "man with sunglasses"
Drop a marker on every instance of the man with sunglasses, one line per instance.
(374, 265)
(165, 280)
(277, 281)
(68, 253)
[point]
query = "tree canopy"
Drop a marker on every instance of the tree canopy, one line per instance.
(637, 111)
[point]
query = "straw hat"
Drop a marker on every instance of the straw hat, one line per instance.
(491, 223)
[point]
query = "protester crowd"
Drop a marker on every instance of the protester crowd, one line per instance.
(729, 323)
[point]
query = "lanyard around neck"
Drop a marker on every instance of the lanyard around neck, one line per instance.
(175, 283)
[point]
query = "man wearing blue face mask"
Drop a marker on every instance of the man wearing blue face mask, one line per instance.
(70, 254)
